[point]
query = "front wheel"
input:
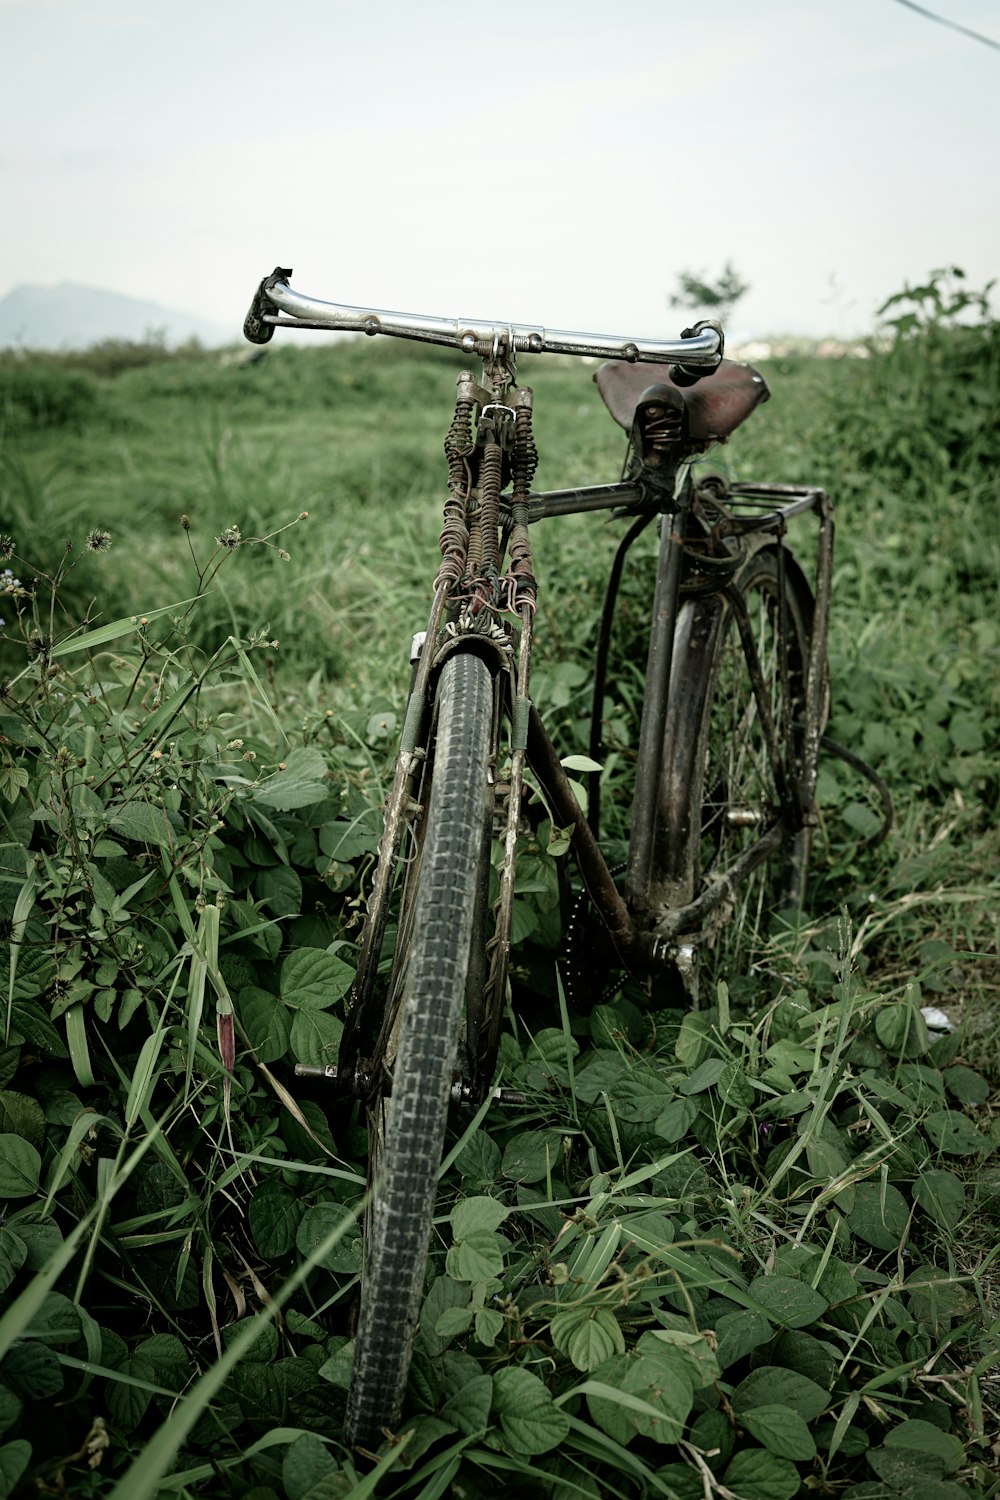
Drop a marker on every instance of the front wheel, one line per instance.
(441, 914)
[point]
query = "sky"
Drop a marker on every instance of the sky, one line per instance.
(556, 162)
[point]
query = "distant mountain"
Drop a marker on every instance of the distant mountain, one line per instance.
(68, 316)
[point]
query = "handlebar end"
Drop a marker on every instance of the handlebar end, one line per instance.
(685, 375)
(255, 329)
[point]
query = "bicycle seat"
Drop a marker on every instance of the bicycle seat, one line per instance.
(716, 405)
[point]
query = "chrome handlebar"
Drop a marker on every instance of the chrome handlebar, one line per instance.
(698, 352)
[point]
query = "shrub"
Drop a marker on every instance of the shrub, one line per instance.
(36, 396)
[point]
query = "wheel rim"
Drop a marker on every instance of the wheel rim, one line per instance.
(740, 794)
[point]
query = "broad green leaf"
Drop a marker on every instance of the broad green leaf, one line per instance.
(953, 1134)
(692, 1040)
(712, 1429)
(806, 1355)
(580, 763)
(307, 1461)
(598, 1072)
(444, 1293)
(935, 1297)
(13, 1254)
(275, 1214)
(312, 979)
(318, 1223)
(836, 1283)
(14, 1459)
(129, 1396)
(10, 1408)
(589, 1335)
(488, 1325)
(143, 823)
(280, 890)
(662, 1380)
(640, 1095)
(168, 1359)
(551, 1045)
(781, 1431)
(693, 1349)
(477, 1257)
(756, 1474)
(902, 1030)
(453, 1322)
(738, 1334)
(472, 1214)
(923, 1437)
(632, 1394)
(301, 783)
(734, 1088)
(531, 1155)
(345, 840)
(33, 1372)
(56, 1322)
(478, 1162)
(13, 780)
(20, 1167)
(906, 1470)
(337, 1369)
(264, 1350)
(942, 1195)
(529, 1421)
(606, 1401)
(315, 1037)
(469, 1408)
(967, 1086)
(787, 1301)
(676, 1120)
(879, 1216)
(770, 1385)
(649, 1231)
(826, 1161)
(266, 1022)
(22, 1115)
(704, 1076)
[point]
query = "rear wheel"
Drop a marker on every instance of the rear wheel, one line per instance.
(442, 918)
(727, 781)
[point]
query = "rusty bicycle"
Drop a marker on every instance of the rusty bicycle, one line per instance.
(725, 769)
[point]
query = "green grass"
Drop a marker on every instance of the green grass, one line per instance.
(749, 1250)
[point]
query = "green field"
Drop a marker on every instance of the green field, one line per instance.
(748, 1251)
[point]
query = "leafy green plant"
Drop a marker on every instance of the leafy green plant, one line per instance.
(747, 1251)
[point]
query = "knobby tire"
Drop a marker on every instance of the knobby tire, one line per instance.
(407, 1122)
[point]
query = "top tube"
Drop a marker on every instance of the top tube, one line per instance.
(702, 350)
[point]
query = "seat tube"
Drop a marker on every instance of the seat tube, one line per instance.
(666, 602)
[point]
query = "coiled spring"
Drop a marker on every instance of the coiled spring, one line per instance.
(522, 588)
(454, 538)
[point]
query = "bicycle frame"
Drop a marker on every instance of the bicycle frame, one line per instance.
(645, 936)
(485, 581)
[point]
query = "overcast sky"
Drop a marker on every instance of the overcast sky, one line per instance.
(550, 162)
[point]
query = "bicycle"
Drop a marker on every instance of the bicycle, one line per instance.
(724, 798)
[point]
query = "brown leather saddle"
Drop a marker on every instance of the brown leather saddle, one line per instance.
(716, 405)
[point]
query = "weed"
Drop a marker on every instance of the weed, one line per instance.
(746, 1251)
